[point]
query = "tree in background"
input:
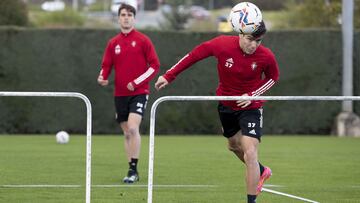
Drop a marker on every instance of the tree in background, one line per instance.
(176, 15)
(319, 14)
(216, 4)
(13, 12)
(272, 5)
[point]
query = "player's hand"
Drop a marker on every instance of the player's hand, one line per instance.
(243, 103)
(161, 83)
(130, 87)
(101, 81)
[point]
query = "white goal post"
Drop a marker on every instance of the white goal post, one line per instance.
(88, 125)
(218, 98)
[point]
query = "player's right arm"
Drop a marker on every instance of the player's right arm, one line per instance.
(101, 80)
(161, 83)
(106, 66)
(200, 52)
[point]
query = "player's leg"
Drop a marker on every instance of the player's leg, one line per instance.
(235, 146)
(124, 127)
(122, 116)
(132, 146)
(251, 128)
(137, 105)
(132, 142)
(134, 122)
(249, 146)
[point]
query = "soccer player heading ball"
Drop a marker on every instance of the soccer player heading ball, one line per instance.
(245, 68)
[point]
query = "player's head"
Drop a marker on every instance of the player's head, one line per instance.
(260, 30)
(250, 42)
(128, 8)
(126, 17)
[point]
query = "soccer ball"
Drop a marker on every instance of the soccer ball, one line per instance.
(245, 18)
(62, 137)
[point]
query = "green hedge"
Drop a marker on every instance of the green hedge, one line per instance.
(13, 12)
(69, 60)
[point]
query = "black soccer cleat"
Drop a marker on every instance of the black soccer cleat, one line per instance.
(131, 177)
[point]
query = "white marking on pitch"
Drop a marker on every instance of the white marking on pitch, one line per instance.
(123, 186)
(288, 195)
(40, 186)
(165, 186)
(106, 186)
(269, 185)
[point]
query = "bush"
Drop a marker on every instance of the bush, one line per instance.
(13, 12)
(64, 18)
(316, 14)
(269, 5)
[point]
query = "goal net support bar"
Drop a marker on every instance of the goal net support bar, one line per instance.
(219, 98)
(88, 125)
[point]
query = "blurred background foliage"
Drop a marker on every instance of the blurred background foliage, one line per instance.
(65, 18)
(13, 12)
(278, 14)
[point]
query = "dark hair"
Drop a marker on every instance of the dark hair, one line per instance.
(127, 7)
(260, 30)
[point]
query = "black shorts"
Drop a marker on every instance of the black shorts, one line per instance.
(248, 121)
(130, 104)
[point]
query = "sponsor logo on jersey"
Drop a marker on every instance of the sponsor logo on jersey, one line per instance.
(117, 49)
(253, 66)
(133, 43)
(229, 62)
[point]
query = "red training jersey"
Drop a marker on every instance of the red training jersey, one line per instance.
(239, 73)
(134, 59)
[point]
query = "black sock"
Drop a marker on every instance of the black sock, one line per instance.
(261, 169)
(133, 164)
(251, 198)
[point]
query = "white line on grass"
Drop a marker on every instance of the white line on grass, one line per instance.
(288, 195)
(105, 186)
(111, 186)
(269, 185)
(165, 186)
(40, 186)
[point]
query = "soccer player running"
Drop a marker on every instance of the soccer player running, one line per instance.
(245, 68)
(134, 59)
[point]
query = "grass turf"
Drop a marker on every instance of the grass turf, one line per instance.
(325, 169)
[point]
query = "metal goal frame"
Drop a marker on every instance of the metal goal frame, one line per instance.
(219, 98)
(88, 125)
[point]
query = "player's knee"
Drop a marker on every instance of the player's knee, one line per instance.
(234, 148)
(250, 155)
(133, 131)
(127, 135)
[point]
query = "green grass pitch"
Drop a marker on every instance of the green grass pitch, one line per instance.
(188, 169)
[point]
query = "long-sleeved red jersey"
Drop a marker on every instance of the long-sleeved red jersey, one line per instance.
(239, 73)
(134, 59)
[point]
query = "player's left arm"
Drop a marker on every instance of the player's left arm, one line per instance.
(153, 66)
(271, 73)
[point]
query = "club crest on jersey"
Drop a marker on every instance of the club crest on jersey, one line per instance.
(133, 43)
(253, 66)
(229, 62)
(117, 49)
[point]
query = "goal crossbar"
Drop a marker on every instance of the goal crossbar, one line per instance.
(219, 98)
(88, 125)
